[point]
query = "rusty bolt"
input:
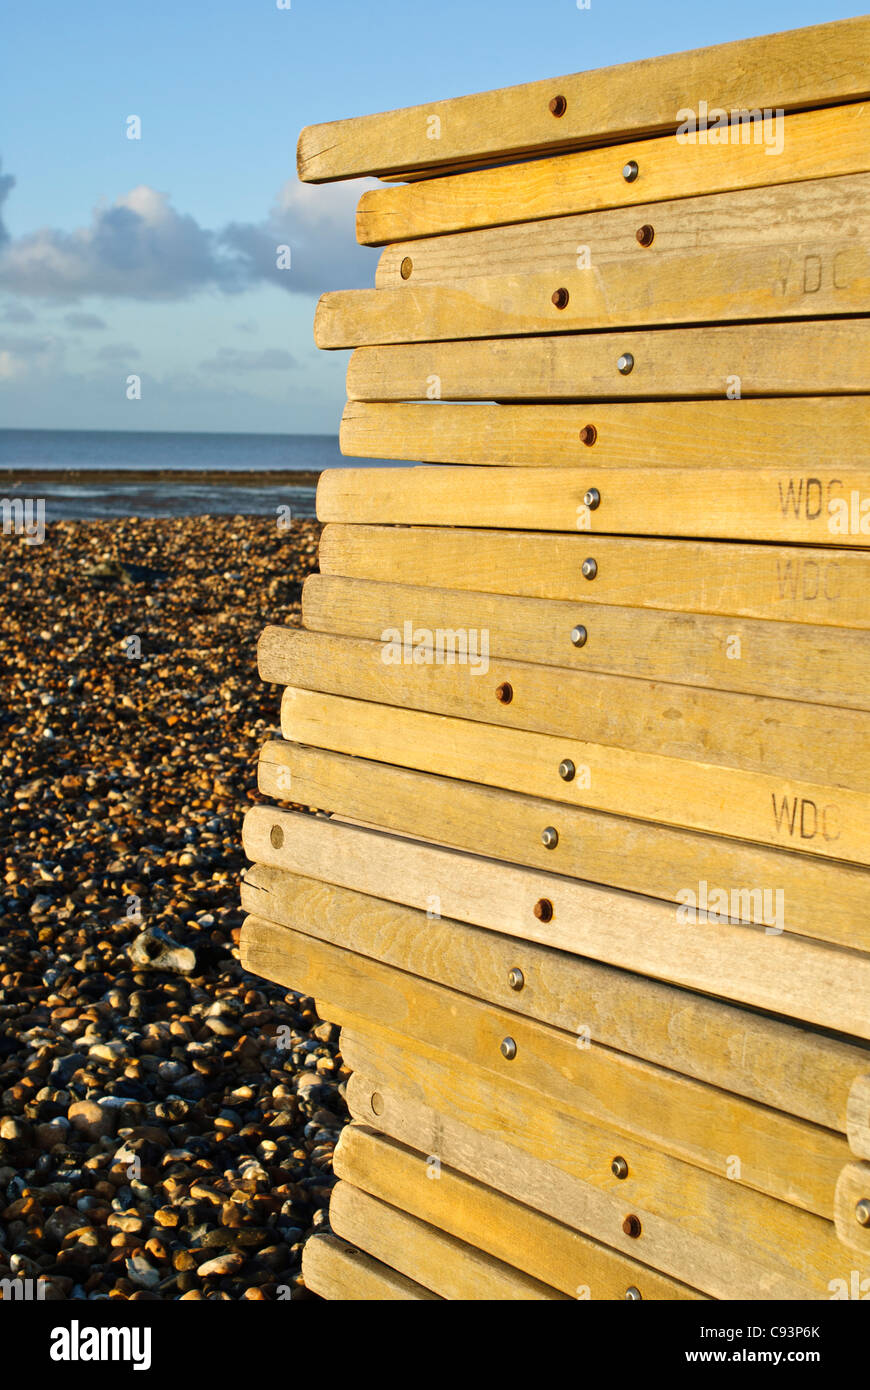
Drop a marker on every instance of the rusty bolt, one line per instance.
(543, 910)
(504, 693)
(558, 106)
(408, 265)
(632, 1227)
(645, 234)
(588, 435)
(560, 298)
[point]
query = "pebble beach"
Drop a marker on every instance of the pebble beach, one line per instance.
(167, 1121)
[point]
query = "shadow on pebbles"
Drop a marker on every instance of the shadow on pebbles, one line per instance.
(168, 1121)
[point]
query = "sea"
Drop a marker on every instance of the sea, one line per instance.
(92, 474)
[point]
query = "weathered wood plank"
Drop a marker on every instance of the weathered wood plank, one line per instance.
(770, 504)
(784, 1156)
(753, 217)
(812, 144)
(796, 68)
(801, 433)
(793, 661)
(781, 583)
(490, 1221)
(339, 1272)
(804, 279)
(780, 737)
(852, 1213)
(761, 359)
(820, 898)
(767, 808)
(777, 1064)
(430, 1257)
(789, 975)
(858, 1116)
(706, 1230)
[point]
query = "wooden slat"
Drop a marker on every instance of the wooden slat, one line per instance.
(813, 144)
(781, 583)
(796, 68)
(800, 433)
(448, 1266)
(762, 359)
(751, 218)
(784, 1156)
(820, 898)
(858, 1116)
(769, 809)
(503, 1228)
(338, 1271)
(853, 1188)
(814, 664)
(758, 734)
(706, 1230)
(794, 280)
(770, 504)
(789, 975)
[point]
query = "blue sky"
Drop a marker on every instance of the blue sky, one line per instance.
(153, 256)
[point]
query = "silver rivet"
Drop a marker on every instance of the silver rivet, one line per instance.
(567, 770)
(592, 499)
(619, 1168)
(633, 1294)
(550, 837)
(579, 635)
(508, 1049)
(625, 363)
(862, 1212)
(516, 978)
(630, 171)
(589, 569)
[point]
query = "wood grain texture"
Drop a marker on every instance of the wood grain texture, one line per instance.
(795, 68)
(784, 1156)
(779, 583)
(762, 359)
(762, 807)
(751, 218)
(785, 974)
(820, 898)
(430, 1257)
(789, 1068)
(339, 1272)
(809, 663)
(813, 144)
(805, 279)
(706, 1230)
(770, 504)
(853, 1188)
(800, 433)
(780, 737)
(490, 1221)
(858, 1116)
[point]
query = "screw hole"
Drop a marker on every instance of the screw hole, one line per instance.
(645, 235)
(560, 298)
(559, 106)
(588, 435)
(504, 693)
(543, 910)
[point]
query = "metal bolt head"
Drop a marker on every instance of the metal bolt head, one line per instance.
(619, 1167)
(504, 693)
(625, 363)
(567, 770)
(276, 837)
(516, 978)
(589, 569)
(645, 235)
(633, 1294)
(508, 1049)
(588, 435)
(632, 1227)
(579, 635)
(543, 910)
(592, 499)
(560, 298)
(630, 171)
(406, 267)
(550, 837)
(558, 106)
(862, 1212)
